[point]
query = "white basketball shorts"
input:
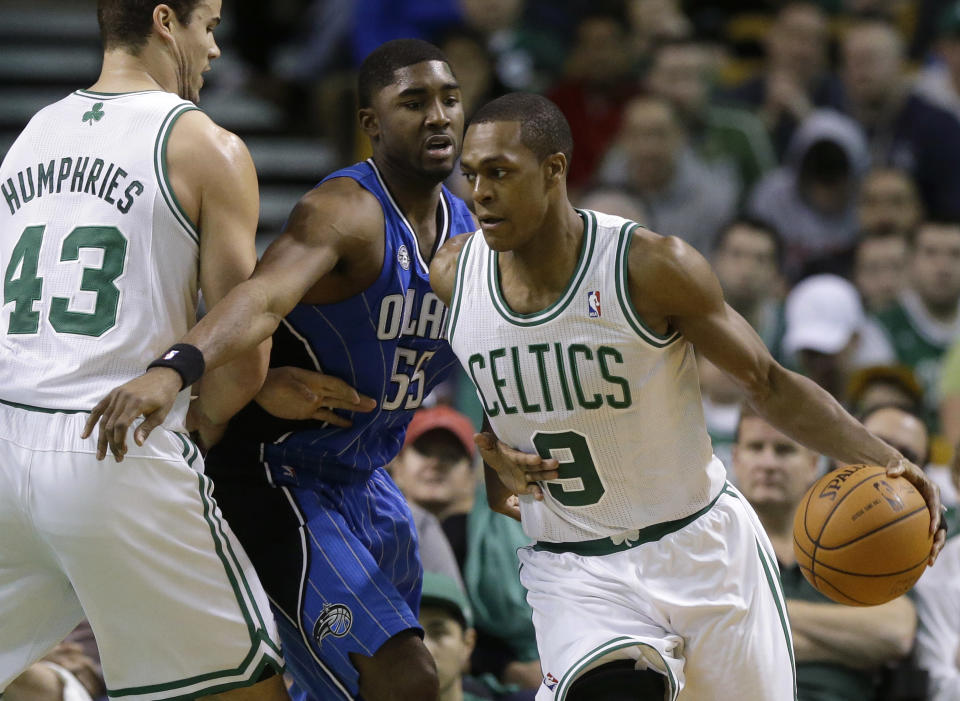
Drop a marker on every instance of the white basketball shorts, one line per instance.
(701, 604)
(138, 548)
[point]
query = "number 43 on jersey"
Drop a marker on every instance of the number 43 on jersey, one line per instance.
(23, 282)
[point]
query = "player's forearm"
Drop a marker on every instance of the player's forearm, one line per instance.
(810, 415)
(227, 389)
(859, 637)
(236, 325)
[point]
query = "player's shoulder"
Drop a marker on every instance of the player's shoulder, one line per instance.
(669, 274)
(197, 133)
(443, 267)
(662, 255)
(342, 207)
(347, 196)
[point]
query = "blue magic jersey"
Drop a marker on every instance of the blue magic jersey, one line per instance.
(387, 342)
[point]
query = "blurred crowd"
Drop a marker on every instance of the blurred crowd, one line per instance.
(811, 151)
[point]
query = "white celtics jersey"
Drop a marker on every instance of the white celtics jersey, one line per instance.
(586, 382)
(99, 263)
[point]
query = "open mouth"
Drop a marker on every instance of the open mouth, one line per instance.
(439, 145)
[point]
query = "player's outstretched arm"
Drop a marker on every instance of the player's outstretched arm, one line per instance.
(325, 221)
(672, 286)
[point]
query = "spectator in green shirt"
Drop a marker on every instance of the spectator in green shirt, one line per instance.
(839, 649)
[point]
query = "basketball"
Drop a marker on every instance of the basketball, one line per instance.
(862, 538)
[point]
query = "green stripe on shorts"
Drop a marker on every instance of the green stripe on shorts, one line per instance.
(612, 645)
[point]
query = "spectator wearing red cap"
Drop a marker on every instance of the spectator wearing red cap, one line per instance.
(434, 470)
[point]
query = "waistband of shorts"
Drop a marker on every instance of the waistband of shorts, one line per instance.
(614, 544)
(295, 468)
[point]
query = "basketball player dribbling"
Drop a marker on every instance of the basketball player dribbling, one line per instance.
(650, 573)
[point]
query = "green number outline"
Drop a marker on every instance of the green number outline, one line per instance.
(99, 280)
(28, 287)
(582, 466)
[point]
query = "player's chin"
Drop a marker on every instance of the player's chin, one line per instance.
(497, 233)
(438, 170)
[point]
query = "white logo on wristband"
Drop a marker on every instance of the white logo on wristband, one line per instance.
(170, 355)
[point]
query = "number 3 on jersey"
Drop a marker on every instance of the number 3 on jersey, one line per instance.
(579, 483)
(23, 285)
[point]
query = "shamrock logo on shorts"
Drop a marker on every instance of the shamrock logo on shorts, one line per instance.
(94, 115)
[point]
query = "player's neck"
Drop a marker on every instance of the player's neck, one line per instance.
(416, 196)
(124, 72)
(561, 233)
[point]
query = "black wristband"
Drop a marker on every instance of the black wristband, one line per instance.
(187, 360)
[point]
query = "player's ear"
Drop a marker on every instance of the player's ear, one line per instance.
(369, 123)
(163, 17)
(555, 168)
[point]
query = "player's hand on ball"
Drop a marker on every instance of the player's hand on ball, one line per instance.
(299, 394)
(151, 395)
(520, 472)
(901, 467)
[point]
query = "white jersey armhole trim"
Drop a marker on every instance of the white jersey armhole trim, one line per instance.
(163, 176)
(623, 292)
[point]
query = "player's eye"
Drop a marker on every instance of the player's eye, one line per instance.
(469, 177)
(499, 173)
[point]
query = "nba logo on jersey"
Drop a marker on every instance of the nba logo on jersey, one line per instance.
(403, 257)
(550, 681)
(593, 303)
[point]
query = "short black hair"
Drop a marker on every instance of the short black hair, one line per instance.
(543, 128)
(378, 68)
(126, 23)
(760, 225)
